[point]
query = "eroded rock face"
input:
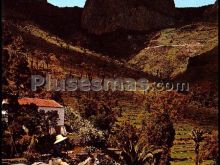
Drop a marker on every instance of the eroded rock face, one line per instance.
(102, 16)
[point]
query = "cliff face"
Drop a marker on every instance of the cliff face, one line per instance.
(100, 16)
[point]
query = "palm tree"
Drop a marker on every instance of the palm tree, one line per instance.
(141, 154)
(134, 147)
(145, 154)
(198, 137)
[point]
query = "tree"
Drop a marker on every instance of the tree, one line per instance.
(57, 96)
(100, 112)
(16, 77)
(210, 148)
(36, 123)
(172, 103)
(134, 149)
(152, 141)
(198, 137)
(88, 134)
(160, 132)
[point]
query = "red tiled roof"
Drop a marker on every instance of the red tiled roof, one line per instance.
(39, 102)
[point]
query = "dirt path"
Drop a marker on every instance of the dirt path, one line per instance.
(175, 45)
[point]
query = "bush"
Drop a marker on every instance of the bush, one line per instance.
(45, 144)
(87, 133)
(23, 143)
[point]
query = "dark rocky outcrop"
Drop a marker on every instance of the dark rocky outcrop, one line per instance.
(211, 13)
(197, 14)
(101, 17)
(202, 67)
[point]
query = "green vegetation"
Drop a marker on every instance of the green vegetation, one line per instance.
(169, 49)
(135, 124)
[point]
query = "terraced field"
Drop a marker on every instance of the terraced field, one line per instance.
(170, 49)
(182, 151)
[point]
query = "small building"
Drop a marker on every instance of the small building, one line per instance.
(47, 105)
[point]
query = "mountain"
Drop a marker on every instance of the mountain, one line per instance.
(133, 41)
(41, 39)
(197, 14)
(63, 22)
(211, 13)
(110, 15)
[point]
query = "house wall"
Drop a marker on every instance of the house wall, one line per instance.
(60, 113)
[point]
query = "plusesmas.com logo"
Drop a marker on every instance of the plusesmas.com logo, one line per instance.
(120, 84)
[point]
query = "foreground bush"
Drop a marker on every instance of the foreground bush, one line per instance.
(87, 133)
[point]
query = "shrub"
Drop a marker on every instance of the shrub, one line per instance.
(88, 134)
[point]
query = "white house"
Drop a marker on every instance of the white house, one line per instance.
(47, 105)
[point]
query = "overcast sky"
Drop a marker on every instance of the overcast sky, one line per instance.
(179, 3)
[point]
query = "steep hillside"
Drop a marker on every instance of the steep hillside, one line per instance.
(39, 38)
(155, 55)
(63, 22)
(169, 50)
(202, 68)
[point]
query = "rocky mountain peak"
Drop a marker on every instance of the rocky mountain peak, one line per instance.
(143, 15)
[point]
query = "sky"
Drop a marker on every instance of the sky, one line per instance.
(178, 3)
